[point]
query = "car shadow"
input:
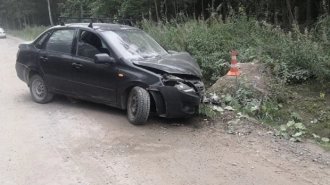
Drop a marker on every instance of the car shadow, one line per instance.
(153, 118)
(63, 102)
(87, 105)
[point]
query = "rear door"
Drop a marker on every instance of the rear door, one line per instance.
(56, 60)
(93, 81)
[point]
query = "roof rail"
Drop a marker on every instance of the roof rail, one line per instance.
(129, 22)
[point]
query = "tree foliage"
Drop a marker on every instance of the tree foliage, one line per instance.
(284, 13)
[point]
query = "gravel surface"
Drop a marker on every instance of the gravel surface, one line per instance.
(71, 143)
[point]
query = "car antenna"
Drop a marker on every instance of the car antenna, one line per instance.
(61, 20)
(91, 23)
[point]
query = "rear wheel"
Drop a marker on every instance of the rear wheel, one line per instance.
(39, 91)
(138, 106)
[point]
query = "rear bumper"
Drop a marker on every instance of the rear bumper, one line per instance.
(2, 35)
(172, 103)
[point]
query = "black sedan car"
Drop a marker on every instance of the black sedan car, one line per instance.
(116, 65)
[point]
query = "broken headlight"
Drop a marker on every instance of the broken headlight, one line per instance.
(185, 88)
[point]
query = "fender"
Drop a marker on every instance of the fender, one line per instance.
(122, 93)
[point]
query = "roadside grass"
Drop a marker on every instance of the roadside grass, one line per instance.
(302, 111)
(309, 104)
(28, 33)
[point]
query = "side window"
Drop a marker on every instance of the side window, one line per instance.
(89, 44)
(60, 41)
(41, 40)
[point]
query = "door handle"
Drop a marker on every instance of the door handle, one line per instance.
(44, 59)
(77, 65)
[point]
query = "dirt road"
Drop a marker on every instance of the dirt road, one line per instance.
(63, 143)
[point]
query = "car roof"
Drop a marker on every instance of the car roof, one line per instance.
(97, 26)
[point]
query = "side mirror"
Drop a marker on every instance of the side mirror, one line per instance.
(103, 58)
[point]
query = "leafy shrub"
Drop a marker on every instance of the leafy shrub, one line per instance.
(205, 110)
(294, 56)
(292, 130)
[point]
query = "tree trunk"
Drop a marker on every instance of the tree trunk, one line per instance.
(203, 15)
(33, 21)
(156, 10)
(149, 12)
(81, 10)
(150, 15)
(296, 15)
(20, 23)
(50, 14)
(224, 14)
(309, 11)
(6, 20)
(28, 20)
(25, 23)
(13, 23)
(285, 17)
(175, 11)
(19, 19)
(291, 18)
(165, 3)
(275, 14)
(194, 12)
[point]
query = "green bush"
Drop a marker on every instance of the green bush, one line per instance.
(294, 56)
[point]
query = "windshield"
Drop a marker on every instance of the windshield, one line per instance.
(134, 44)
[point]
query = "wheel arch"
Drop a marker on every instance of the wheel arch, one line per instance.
(39, 92)
(31, 74)
(125, 92)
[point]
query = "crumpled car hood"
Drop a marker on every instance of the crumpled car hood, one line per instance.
(178, 63)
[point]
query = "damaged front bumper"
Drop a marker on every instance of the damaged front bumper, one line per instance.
(173, 103)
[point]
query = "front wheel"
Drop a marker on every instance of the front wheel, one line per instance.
(138, 106)
(39, 91)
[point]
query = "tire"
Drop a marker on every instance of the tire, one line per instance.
(39, 90)
(138, 106)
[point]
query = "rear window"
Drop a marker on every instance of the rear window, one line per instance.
(40, 42)
(61, 41)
